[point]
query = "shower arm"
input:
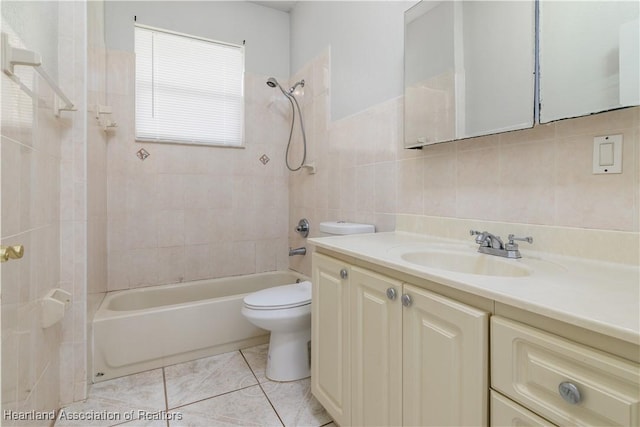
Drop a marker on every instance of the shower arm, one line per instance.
(293, 88)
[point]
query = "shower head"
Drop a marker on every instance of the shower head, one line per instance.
(272, 82)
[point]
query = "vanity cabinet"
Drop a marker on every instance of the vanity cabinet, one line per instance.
(330, 355)
(390, 353)
(376, 349)
(561, 381)
(445, 360)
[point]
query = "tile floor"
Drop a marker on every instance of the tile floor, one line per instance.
(229, 389)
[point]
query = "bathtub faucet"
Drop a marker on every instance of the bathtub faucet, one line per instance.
(297, 251)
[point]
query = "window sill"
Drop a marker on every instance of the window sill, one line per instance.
(193, 144)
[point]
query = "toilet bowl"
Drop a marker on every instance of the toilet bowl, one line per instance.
(286, 312)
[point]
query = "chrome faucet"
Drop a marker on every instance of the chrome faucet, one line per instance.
(493, 245)
(297, 251)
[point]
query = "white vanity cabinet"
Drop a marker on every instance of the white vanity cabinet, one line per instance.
(330, 356)
(389, 353)
(562, 381)
(445, 361)
(376, 349)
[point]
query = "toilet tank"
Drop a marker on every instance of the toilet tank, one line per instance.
(341, 228)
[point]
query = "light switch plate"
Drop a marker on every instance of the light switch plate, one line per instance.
(607, 154)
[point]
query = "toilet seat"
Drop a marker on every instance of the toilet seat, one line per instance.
(280, 297)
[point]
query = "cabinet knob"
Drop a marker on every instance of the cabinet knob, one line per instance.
(406, 300)
(391, 294)
(569, 392)
(344, 273)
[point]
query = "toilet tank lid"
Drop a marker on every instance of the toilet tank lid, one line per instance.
(342, 227)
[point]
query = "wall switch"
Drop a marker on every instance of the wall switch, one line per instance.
(607, 154)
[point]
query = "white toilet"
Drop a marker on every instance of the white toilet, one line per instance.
(286, 312)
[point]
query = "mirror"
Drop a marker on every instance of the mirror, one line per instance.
(589, 57)
(469, 69)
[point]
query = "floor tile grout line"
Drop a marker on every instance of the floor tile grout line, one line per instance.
(166, 395)
(212, 397)
(262, 389)
(270, 403)
(249, 365)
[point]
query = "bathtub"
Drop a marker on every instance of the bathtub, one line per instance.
(140, 329)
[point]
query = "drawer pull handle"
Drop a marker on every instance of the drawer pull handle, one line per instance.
(569, 392)
(344, 273)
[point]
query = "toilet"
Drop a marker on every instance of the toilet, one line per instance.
(286, 312)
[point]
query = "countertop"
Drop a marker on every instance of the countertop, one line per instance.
(599, 296)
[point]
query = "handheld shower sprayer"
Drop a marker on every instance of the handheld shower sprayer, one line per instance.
(272, 82)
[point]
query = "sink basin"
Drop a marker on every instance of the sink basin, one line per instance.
(467, 263)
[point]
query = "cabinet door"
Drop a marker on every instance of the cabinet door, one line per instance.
(376, 349)
(330, 343)
(444, 361)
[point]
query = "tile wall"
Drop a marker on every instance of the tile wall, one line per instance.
(31, 159)
(96, 169)
(193, 212)
(538, 176)
(74, 209)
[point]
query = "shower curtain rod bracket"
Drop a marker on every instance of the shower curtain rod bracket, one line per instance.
(61, 105)
(12, 56)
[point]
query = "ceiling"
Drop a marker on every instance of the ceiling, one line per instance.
(284, 6)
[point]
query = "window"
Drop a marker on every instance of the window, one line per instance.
(188, 90)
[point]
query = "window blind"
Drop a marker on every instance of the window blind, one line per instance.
(188, 90)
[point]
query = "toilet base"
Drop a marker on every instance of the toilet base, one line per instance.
(289, 357)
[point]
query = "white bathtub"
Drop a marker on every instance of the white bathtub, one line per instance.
(140, 329)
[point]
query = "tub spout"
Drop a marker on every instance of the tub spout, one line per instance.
(297, 251)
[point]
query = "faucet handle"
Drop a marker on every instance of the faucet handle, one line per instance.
(475, 232)
(512, 237)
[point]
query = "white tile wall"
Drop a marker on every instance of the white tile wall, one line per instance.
(540, 176)
(32, 196)
(189, 212)
(77, 205)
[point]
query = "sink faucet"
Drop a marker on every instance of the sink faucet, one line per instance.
(493, 245)
(487, 240)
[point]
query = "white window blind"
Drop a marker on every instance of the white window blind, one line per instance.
(188, 90)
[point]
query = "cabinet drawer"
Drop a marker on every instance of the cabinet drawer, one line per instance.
(529, 365)
(505, 412)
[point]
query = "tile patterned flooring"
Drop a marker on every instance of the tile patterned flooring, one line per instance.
(229, 389)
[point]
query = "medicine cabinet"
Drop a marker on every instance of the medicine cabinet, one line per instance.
(469, 69)
(589, 57)
(470, 65)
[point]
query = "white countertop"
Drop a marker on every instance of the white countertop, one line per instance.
(599, 296)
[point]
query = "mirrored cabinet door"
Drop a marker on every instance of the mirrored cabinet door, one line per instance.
(589, 57)
(469, 69)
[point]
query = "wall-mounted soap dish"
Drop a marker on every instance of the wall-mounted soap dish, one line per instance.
(54, 305)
